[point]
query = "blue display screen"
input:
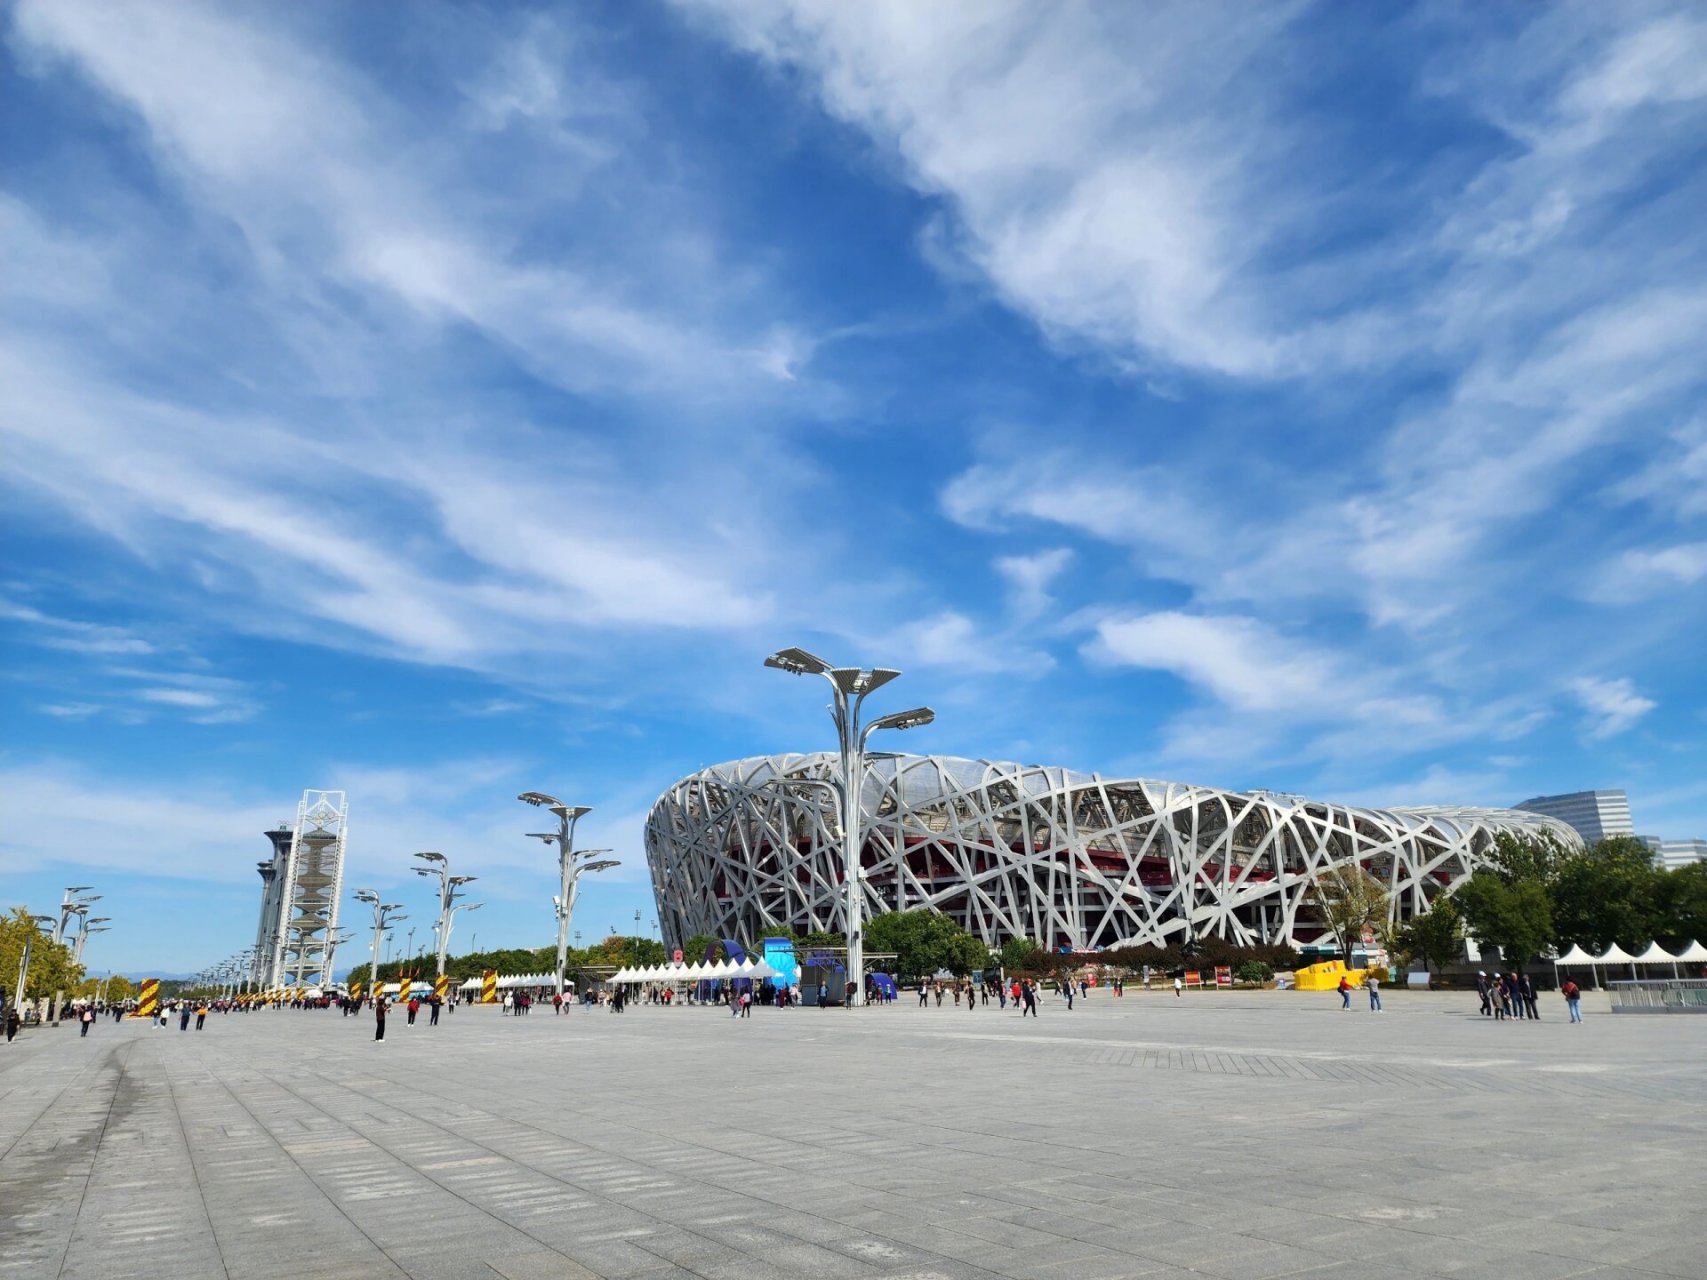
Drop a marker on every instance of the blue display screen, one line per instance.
(779, 955)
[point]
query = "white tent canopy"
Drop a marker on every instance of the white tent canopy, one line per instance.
(752, 967)
(1655, 954)
(1694, 953)
(1576, 955)
(1616, 954)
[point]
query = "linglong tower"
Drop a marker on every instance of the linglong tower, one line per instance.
(311, 885)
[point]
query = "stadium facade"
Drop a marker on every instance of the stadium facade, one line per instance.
(1067, 859)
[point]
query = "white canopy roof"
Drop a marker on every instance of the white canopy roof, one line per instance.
(1576, 955)
(1694, 953)
(1615, 954)
(1655, 955)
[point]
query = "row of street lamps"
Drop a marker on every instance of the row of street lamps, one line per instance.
(850, 685)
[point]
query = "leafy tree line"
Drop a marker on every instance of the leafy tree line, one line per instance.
(926, 942)
(613, 951)
(51, 966)
(1535, 893)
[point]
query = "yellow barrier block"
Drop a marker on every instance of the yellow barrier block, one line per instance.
(148, 1000)
(1326, 976)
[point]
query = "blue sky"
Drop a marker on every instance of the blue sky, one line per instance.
(439, 402)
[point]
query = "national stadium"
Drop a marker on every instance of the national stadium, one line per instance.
(1070, 860)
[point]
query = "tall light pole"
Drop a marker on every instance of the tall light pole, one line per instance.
(72, 905)
(449, 891)
(92, 924)
(383, 914)
(570, 864)
(24, 960)
(851, 685)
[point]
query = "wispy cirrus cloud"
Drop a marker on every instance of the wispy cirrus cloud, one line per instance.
(1611, 706)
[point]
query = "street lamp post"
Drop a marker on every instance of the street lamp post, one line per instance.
(95, 924)
(449, 891)
(570, 864)
(72, 905)
(383, 914)
(852, 685)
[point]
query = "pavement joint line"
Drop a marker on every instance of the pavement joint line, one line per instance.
(285, 1150)
(544, 1244)
(611, 1200)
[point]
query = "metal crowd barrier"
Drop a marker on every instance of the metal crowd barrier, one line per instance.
(1671, 995)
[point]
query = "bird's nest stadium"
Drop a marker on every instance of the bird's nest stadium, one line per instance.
(1067, 859)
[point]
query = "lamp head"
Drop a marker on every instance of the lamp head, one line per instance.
(798, 662)
(904, 719)
(571, 811)
(463, 879)
(876, 678)
(537, 798)
(432, 857)
(77, 888)
(603, 865)
(366, 895)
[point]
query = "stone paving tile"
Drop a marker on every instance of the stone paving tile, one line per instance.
(1237, 1137)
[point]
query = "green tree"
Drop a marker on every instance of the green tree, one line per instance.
(1515, 917)
(1349, 900)
(924, 942)
(1018, 953)
(694, 949)
(1682, 898)
(1518, 858)
(1610, 892)
(51, 966)
(1436, 937)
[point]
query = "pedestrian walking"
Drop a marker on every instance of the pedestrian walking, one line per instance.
(201, 1014)
(184, 1016)
(1526, 989)
(1573, 999)
(86, 1017)
(1345, 991)
(379, 1018)
(1372, 984)
(1029, 992)
(1482, 991)
(1067, 994)
(12, 1023)
(414, 1008)
(1179, 986)
(433, 1010)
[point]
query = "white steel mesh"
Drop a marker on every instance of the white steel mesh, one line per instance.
(1066, 859)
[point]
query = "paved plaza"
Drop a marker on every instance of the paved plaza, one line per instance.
(1239, 1136)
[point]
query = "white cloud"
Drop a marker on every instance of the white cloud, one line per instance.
(1029, 578)
(1644, 573)
(1612, 705)
(952, 640)
(1236, 660)
(70, 710)
(1054, 137)
(178, 697)
(73, 635)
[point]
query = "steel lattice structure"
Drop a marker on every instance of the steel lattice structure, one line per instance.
(1063, 858)
(309, 889)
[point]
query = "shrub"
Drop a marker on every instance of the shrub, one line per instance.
(1253, 971)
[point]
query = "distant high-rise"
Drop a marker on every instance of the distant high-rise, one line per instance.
(272, 887)
(1672, 854)
(1595, 814)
